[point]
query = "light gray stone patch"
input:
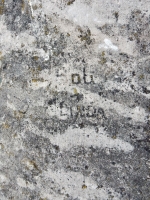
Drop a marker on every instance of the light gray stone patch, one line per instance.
(74, 100)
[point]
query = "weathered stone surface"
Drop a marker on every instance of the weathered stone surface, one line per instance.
(75, 100)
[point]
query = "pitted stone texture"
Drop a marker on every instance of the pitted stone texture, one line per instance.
(75, 100)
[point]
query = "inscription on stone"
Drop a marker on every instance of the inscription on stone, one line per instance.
(77, 78)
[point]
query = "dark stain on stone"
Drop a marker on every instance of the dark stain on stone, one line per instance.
(2, 7)
(52, 101)
(84, 186)
(116, 14)
(70, 2)
(85, 36)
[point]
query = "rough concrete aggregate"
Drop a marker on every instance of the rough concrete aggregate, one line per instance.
(75, 100)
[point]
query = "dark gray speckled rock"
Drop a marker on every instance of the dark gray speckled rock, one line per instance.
(74, 100)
